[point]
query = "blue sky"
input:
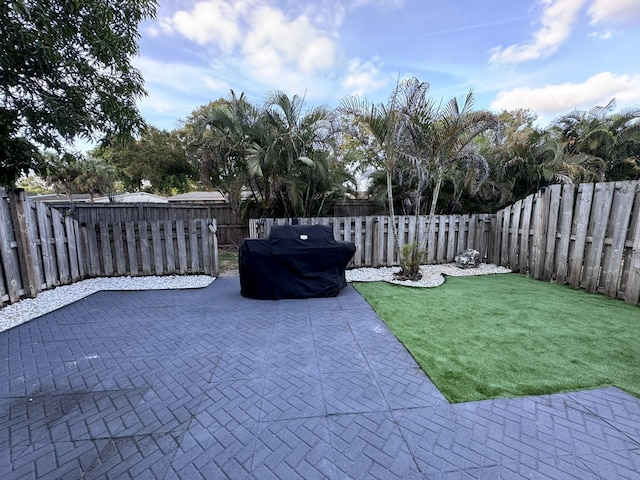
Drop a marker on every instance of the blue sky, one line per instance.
(550, 56)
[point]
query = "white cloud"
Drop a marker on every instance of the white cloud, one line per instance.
(260, 39)
(363, 78)
(557, 19)
(161, 26)
(557, 99)
(604, 35)
(214, 22)
(327, 14)
(615, 11)
(275, 44)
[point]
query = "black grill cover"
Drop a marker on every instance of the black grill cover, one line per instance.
(295, 261)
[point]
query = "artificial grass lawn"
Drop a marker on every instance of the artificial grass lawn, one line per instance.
(509, 335)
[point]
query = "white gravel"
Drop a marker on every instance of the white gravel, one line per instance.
(432, 275)
(49, 300)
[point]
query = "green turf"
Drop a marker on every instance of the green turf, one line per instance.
(509, 335)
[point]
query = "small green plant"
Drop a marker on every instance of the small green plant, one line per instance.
(413, 257)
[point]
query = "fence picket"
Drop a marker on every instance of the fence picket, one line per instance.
(193, 244)
(581, 225)
(145, 252)
(182, 246)
(105, 243)
(72, 243)
(156, 241)
(132, 251)
(118, 248)
(60, 242)
(46, 240)
(566, 220)
(12, 281)
(620, 217)
(554, 192)
(601, 207)
(169, 247)
(28, 242)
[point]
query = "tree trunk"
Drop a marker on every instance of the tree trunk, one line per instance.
(392, 221)
(436, 194)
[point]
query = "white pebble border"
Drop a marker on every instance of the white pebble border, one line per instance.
(432, 275)
(49, 300)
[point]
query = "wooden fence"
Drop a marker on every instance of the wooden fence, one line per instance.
(231, 228)
(443, 237)
(155, 247)
(586, 236)
(40, 248)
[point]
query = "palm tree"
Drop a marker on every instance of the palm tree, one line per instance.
(96, 177)
(605, 143)
(393, 133)
(62, 170)
(219, 137)
(291, 155)
(451, 144)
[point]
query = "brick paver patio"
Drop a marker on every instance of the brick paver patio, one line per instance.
(206, 384)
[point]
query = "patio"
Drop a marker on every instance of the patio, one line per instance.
(208, 384)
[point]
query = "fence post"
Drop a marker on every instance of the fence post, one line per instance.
(213, 243)
(19, 205)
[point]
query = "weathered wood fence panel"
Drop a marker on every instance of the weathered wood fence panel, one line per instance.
(41, 247)
(442, 236)
(232, 229)
(151, 248)
(585, 236)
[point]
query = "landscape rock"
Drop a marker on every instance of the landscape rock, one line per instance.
(469, 258)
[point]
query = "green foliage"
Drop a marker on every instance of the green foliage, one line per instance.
(96, 177)
(413, 257)
(65, 72)
(79, 174)
(34, 184)
(156, 162)
(61, 171)
(18, 154)
(218, 137)
(283, 156)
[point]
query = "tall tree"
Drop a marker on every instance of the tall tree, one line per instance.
(156, 162)
(219, 136)
(604, 143)
(290, 154)
(96, 177)
(62, 171)
(394, 132)
(451, 144)
(65, 72)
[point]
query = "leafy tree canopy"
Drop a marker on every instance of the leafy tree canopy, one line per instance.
(65, 72)
(157, 162)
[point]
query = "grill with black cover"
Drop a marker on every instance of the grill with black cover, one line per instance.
(294, 261)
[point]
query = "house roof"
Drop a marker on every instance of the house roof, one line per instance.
(60, 197)
(136, 197)
(216, 197)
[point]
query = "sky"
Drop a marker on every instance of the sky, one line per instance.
(549, 56)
